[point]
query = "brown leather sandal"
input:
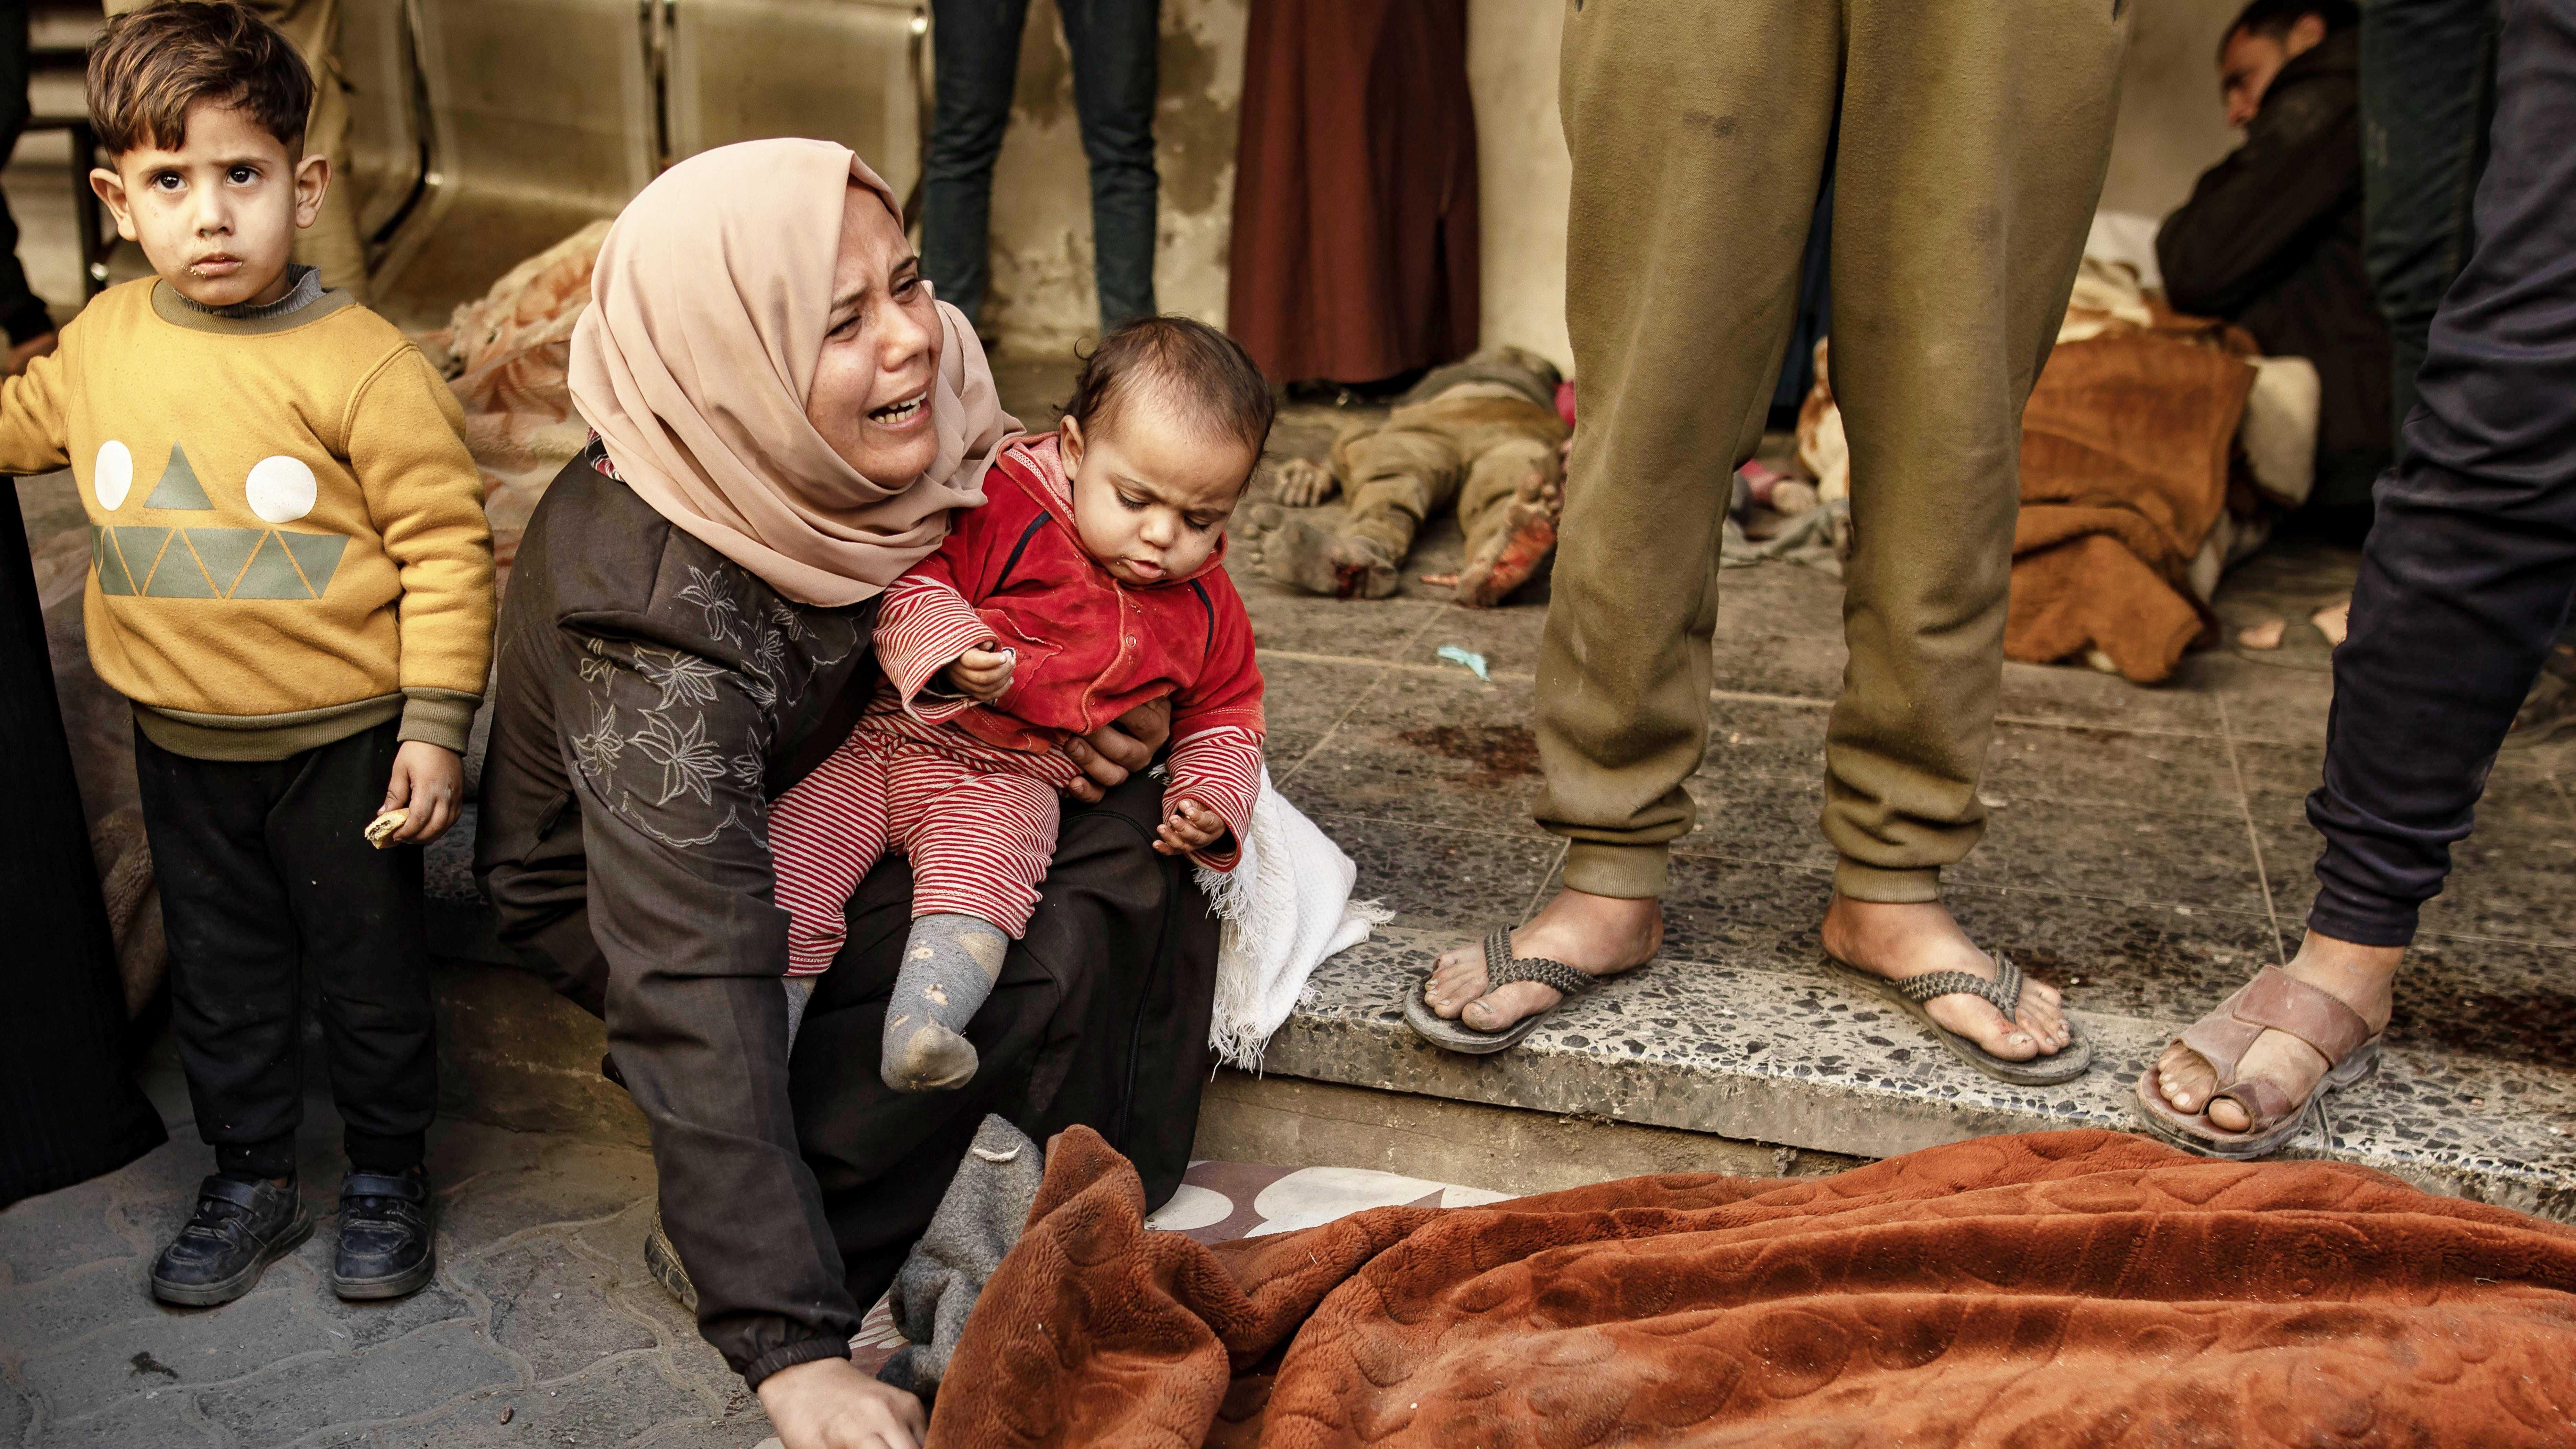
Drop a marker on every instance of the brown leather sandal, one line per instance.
(2273, 1001)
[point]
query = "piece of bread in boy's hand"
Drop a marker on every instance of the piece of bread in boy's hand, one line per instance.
(381, 829)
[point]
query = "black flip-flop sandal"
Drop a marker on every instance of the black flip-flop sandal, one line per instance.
(1501, 969)
(2004, 993)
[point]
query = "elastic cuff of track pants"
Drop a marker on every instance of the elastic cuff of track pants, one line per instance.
(2387, 926)
(392, 1155)
(1626, 872)
(1884, 885)
(273, 1158)
(788, 1356)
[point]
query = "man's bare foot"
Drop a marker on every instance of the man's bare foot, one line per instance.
(1514, 552)
(1301, 483)
(1898, 941)
(1596, 935)
(2360, 977)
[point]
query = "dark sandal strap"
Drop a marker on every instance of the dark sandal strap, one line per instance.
(2003, 993)
(1502, 968)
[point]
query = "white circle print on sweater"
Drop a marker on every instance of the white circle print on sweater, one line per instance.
(281, 489)
(112, 476)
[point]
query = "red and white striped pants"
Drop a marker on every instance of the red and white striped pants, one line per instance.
(979, 838)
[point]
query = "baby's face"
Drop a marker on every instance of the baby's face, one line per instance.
(1150, 498)
(217, 216)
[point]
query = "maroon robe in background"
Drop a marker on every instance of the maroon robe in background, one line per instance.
(1355, 238)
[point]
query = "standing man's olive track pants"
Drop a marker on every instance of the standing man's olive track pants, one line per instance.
(1972, 141)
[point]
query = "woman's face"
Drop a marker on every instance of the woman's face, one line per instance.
(872, 385)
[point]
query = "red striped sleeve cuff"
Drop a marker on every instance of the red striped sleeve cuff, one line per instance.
(921, 629)
(1221, 769)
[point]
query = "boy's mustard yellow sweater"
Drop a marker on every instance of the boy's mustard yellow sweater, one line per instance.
(288, 543)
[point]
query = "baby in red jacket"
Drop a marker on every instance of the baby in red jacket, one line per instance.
(1090, 582)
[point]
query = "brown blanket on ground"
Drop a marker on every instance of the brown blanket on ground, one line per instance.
(2072, 1288)
(2124, 460)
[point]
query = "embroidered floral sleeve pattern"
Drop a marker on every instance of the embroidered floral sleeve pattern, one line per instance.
(676, 740)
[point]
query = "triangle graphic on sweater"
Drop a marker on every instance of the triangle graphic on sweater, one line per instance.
(179, 487)
(271, 574)
(316, 555)
(223, 551)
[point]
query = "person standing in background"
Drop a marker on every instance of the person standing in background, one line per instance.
(1356, 250)
(975, 49)
(22, 312)
(332, 242)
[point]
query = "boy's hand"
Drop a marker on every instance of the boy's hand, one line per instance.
(1187, 826)
(428, 781)
(982, 674)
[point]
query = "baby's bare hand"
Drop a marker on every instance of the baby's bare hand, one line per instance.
(982, 674)
(1187, 826)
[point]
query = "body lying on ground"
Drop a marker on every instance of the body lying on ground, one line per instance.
(1483, 434)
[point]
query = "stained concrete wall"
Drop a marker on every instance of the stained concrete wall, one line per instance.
(1042, 299)
(2170, 129)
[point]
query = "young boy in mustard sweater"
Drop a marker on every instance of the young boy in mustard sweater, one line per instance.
(292, 581)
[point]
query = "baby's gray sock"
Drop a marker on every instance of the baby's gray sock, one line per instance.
(800, 990)
(949, 966)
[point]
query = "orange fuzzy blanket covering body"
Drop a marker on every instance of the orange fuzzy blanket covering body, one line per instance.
(2074, 1288)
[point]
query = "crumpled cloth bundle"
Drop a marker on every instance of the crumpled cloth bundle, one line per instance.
(2061, 1289)
(1287, 905)
(511, 348)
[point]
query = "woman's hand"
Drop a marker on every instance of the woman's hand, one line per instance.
(1187, 826)
(829, 1404)
(1111, 753)
(982, 674)
(428, 781)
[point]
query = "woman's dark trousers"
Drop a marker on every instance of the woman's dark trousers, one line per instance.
(2471, 562)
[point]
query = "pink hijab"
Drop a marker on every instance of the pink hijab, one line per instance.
(694, 359)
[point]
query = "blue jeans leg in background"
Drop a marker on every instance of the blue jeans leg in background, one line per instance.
(976, 48)
(1115, 73)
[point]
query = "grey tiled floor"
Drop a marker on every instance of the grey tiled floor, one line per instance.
(2123, 820)
(541, 1329)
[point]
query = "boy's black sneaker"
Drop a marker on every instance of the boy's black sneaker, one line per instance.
(386, 1247)
(239, 1228)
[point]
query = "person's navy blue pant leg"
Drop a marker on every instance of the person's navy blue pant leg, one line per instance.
(2471, 563)
(976, 49)
(2427, 98)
